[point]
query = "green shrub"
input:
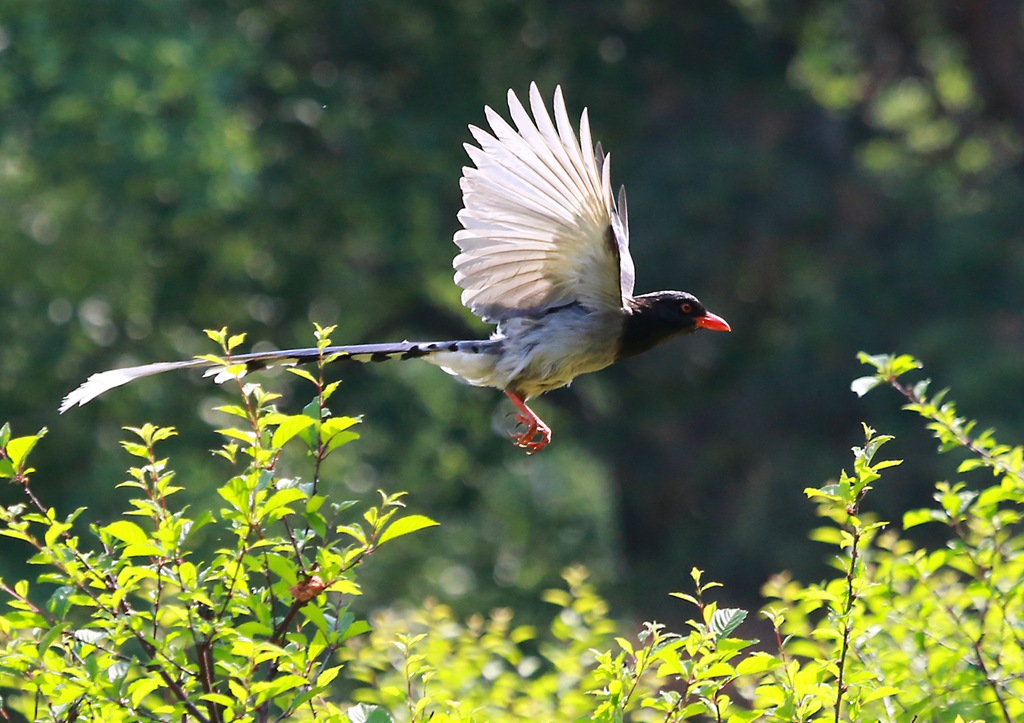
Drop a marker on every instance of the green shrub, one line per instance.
(141, 625)
(900, 633)
(906, 633)
(136, 626)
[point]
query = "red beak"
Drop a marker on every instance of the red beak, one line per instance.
(713, 322)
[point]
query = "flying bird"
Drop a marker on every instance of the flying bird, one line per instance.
(544, 255)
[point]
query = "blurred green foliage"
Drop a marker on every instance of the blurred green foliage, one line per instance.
(827, 175)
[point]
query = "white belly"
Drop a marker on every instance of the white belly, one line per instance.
(540, 353)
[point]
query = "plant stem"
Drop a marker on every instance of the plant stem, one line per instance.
(851, 597)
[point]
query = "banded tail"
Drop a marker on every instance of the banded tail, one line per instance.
(102, 382)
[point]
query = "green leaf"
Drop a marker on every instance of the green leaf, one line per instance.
(626, 646)
(913, 518)
(127, 532)
(758, 662)
(118, 671)
(405, 526)
(146, 549)
(225, 700)
(313, 408)
(90, 637)
(359, 627)
(345, 587)
(317, 522)
(366, 713)
(234, 410)
(283, 497)
(142, 687)
(281, 684)
(695, 709)
(881, 691)
(49, 638)
(303, 373)
(716, 670)
(19, 448)
(555, 596)
(902, 364)
(330, 389)
(288, 426)
(828, 535)
(327, 677)
(686, 597)
(59, 603)
(333, 431)
(354, 531)
(241, 435)
(725, 620)
(323, 334)
(877, 361)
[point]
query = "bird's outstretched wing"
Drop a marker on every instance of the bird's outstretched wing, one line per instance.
(541, 227)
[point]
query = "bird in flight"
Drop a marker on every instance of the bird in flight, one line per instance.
(544, 255)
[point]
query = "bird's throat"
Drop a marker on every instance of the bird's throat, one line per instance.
(642, 331)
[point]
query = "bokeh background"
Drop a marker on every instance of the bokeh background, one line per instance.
(829, 175)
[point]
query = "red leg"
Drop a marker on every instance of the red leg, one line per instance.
(535, 427)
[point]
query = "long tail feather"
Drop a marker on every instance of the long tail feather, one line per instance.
(102, 382)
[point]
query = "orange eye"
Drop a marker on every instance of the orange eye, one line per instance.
(687, 307)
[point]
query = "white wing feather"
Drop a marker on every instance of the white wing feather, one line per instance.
(540, 224)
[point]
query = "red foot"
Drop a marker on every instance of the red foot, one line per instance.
(535, 427)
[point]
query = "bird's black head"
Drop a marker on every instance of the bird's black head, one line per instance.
(657, 317)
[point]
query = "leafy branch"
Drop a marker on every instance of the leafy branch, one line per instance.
(143, 628)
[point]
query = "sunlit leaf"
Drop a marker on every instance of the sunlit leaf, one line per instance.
(18, 448)
(288, 426)
(863, 385)
(726, 620)
(405, 526)
(127, 531)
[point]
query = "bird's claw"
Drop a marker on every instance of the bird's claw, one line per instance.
(537, 435)
(527, 439)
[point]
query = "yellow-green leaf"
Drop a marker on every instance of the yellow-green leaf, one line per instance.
(289, 426)
(405, 526)
(758, 662)
(127, 532)
(19, 447)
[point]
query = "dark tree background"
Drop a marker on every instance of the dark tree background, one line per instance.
(829, 175)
